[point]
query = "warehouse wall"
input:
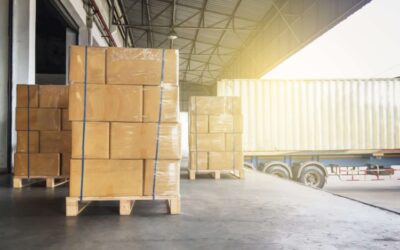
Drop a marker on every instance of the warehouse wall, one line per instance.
(3, 81)
(24, 42)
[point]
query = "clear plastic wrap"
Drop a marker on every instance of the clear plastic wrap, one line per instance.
(97, 140)
(107, 178)
(167, 177)
(169, 102)
(53, 96)
(106, 103)
(216, 142)
(139, 141)
(47, 127)
(40, 164)
(140, 66)
(96, 65)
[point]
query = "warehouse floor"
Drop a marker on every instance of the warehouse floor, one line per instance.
(261, 212)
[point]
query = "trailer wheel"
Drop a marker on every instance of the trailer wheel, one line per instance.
(278, 171)
(313, 176)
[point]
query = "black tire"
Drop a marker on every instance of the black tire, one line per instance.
(278, 171)
(312, 176)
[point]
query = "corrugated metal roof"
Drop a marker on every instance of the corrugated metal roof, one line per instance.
(206, 44)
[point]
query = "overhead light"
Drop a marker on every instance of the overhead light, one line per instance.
(172, 35)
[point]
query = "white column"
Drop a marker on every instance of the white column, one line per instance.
(3, 81)
(24, 36)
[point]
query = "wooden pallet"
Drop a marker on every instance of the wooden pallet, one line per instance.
(51, 181)
(73, 206)
(216, 173)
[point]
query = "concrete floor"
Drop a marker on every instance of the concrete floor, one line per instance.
(384, 194)
(261, 212)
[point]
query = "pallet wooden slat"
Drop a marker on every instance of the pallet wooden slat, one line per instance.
(74, 207)
(216, 173)
(51, 181)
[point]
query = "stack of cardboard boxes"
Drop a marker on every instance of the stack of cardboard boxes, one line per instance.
(215, 135)
(125, 138)
(43, 116)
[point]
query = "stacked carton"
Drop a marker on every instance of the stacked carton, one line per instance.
(215, 134)
(125, 138)
(42, 114)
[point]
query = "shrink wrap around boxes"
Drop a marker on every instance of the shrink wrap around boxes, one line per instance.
(43, 133)
(131, 150)
(215, 135)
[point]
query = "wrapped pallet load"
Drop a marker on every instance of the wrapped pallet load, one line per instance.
(125, 126)
(215, 136)
(43, 134)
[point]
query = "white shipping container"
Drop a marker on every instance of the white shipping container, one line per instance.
(317, 115)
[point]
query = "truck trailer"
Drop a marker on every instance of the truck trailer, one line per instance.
(306, 130)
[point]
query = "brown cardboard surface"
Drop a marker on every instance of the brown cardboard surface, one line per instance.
(207, 142)
(107, 178)
(140, 66)
(97, 140)
(233, 142)
(221, 123)
(22, 96)
(39, 119)
(95, 65)
(65, 123)
(225, 160)
(201, 163)
(207, 105)
(22, 141)
(41, 164)
(170, 103)
(55, 141)
(138, 141)
(202, 124)
(53, 96)
(106, 103)
(65, 164)
(167, 177)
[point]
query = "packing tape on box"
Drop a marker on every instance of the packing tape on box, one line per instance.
(84, 124)
(169, 102)
(158, 123)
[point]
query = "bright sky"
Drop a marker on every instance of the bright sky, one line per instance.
(365, 45)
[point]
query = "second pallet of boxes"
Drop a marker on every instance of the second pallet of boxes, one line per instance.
(125, 118)
(215, 136)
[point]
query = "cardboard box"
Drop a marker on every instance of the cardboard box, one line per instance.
(65, 123)
(138, 141)
(55, 142)
(167, 177)
(225, 160)
(40, 164)
(215, 105)
(65, 164)
(107, 178)
(233, 142)
(141, 66)
(207, 142)
(221, 123)
(207, 105)
(97, 140)
(199, 163)
(39, 119)
(106, 103)
(96, 64)
(22, 96)
(53, 96)
(201, 121)
(22, 141)
(170, 104)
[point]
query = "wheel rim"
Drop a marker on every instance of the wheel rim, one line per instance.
(312, 179)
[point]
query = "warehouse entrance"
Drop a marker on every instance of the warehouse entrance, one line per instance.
(55, 31)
